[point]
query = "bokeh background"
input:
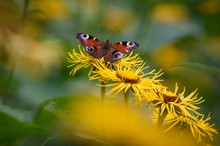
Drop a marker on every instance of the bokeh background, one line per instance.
(181, 37)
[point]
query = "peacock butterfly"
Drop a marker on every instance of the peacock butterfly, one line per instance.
(110, 51)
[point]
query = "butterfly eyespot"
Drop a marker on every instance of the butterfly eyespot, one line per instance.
(85, 36)
(118, 55)
(90, 49)
(130, 44)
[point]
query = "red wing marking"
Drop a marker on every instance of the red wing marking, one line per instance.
(91, 42)
(120, 47)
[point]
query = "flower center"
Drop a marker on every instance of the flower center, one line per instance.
(128, 76)
(169, 98)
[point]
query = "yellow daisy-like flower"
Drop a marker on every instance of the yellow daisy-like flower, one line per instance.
(199, 126)
(174, 103)
(80, 60)
(127, 77)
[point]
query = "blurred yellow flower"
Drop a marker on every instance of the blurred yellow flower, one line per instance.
(32, 57)
(199, 126)
(114, 19)
(124, 78)
(116, 126)
(51, 10)
(169, 13)
(169, 55)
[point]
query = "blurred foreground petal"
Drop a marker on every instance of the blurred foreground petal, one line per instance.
(116, 125)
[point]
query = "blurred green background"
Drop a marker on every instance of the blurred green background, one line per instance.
(181, 37)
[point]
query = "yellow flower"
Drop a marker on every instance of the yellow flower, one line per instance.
(199, 126)
(80, 60)
(180, 110)
(116, 127)
(169, 13)
(31, 57)
(170, 54)
(127, 77)
(51, 10)
(118, 16)
(174, 103)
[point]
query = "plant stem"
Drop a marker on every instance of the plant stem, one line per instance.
(161, 117)
(102, 125)
(126, 98)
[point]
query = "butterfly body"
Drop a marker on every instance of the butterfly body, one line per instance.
(110, 51)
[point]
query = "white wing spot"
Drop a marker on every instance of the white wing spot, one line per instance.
(85, 36)
(130, 44)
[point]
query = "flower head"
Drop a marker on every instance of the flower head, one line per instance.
(124, 77)
(179, 110)
(198, 125)
(80, 60)
(174, 103)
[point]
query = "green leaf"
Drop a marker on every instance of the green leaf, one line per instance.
(15, 113)
(16, 124)
(13, 125)
(200, 66)
(47, 113)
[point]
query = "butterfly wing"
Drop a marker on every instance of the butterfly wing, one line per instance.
(91, 44)
(125, 46)
(88, 40)
(117, 50)
(112, 55)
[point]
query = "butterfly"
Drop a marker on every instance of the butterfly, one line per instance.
(110, 51)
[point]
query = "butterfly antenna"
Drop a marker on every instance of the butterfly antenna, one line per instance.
(102, 31)
(114, 35)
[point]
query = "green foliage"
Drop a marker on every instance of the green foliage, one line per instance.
(14, 125)
(202, 67)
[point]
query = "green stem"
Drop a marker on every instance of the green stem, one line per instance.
(162, 117)
(103, 90)
(126, 98)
